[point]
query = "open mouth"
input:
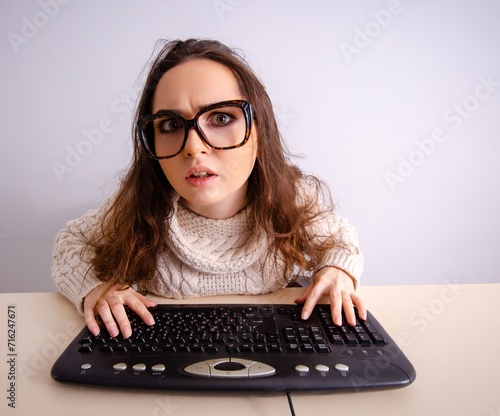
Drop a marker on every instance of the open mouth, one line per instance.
(198, 175)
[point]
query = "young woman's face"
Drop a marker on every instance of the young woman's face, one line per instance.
(212, 183)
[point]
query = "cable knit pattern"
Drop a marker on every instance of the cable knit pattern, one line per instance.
(71, 269)
(213, 257)
(214, 245)
(201, 256)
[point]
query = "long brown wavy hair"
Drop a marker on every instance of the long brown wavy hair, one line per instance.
(133, 230)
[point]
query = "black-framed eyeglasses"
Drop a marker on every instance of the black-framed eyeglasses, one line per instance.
(222, 126)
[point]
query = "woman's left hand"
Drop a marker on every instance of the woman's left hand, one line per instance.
(339, 286)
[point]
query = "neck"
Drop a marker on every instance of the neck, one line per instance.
(216, 211)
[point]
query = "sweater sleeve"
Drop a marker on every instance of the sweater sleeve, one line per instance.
(71, 262)
(346, 255)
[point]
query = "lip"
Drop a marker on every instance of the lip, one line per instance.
(197, 169)
(201, 181)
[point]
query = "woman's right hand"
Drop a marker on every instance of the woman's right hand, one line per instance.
(112, 311)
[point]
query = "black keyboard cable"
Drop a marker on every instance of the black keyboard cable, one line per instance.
(289, 396)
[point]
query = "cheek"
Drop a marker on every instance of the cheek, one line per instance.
(169, 170)
(241, 165)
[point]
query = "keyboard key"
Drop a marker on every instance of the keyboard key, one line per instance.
(247, 348)
(197, 348)
(149, 347)
(183, 348)
(87, 339)
(275, 347)
(85, 348)
(120, 348)
(211, 348)
(370, 328)
(323, 349)
(233, 348)
(294, 348)
(307, 348)
(267, 311)
(106, 348)
(365, 338)
(336, 339)
(379, 339)
(351, 339)
(318, 339)
(260, 347)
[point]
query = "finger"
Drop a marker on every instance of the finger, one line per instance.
(108, 319)
(147, 302)
(90, 321)
(360, 305)
(336, 306)
(311, 300)
(305, 294)
(348, 307)
(120, 316)
(139, 303)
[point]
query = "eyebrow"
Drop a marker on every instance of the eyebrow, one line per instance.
(179, 112)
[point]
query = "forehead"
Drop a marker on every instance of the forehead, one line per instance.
(194, 84)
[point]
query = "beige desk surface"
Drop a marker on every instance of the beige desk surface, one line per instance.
(451, 333)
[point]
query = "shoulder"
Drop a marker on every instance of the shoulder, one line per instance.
(90, 220)
(313, 191)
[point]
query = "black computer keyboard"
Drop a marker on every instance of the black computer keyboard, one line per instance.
(238, 348)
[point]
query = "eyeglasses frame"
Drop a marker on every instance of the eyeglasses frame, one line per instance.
(193, 123)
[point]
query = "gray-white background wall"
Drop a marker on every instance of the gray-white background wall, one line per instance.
(396, 104)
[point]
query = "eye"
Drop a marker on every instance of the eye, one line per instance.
(221, 119)
(169, 125)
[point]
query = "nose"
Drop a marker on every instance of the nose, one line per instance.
(195, 144)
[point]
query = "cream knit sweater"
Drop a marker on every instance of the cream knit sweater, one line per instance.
(201, 256)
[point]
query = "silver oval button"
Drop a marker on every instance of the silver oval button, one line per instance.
(341, 367)
(158, 368)
(139, 367)
(120, 366)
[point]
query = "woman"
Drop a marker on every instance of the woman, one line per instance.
(210, 204)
